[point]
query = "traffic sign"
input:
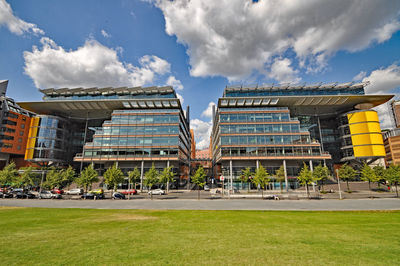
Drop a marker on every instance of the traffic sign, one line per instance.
(222, 178)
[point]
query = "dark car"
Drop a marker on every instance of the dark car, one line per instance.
(91, 195)
(118, 195)
(25, 195)
(6, 195)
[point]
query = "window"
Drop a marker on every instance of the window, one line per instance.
(22, 125)
(21, 133)
(19, 140)
(19, 147)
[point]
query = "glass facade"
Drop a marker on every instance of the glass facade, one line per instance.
(292, 91)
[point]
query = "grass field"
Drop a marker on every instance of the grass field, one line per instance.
(86, 236)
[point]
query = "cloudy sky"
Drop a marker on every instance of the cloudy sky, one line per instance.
(198, 46)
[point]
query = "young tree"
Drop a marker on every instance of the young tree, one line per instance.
(8, 175)
(67, 176)
(380, 174)
(53, 178)
(246, 176)
(305, 177)
(134, 176)
(280, 176)
(87, 177)
(151, 178)
(347, 173)
(392, 175)
(199, 179)
(166, 176)
(368, 174)
(261, 179)
(320, 174)
(113, 176)
(28, 178)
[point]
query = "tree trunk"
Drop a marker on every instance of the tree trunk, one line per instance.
(308, 193)
(167, 187)
(198, 193)
(262, 193)
(280, 183)
(397, 192)
(369, 185)
(347, 181)
(248, 188)
(129, 189)
(322, 184)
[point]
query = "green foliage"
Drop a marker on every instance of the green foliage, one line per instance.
(280, 176)
(306, 176)
(199, 177)
(8, 175)
(392, 175)
(87, 177)
(261, 177)
(113, 176)
(246, 174)
(167, 176)
(151, 177)
(320, 173)
(59, 178)
(379, 173)
(368, 174)
(28, 178)
(134, 175)
(347, 173)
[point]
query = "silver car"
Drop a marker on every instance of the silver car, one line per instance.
(157, 191)
(45, 194)
(75, 191)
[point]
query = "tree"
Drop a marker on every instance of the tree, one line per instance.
(368, 174)
(261, 179)
(380, 174)
(320, 174)
(28, 178)
(392, 175)
(166, 176)
(347, 173)
(8, 175)
(134, 176)
(113, 176)
(151, 178)
(246, 176)
(67, 177)
(305, 177)
(199, 179)
(280, 176)
(87, 177)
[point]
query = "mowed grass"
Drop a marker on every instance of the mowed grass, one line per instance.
(109, 237)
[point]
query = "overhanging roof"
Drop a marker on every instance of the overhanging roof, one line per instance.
(323, 105)
(97, 109)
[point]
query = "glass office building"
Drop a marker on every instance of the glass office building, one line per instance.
(133, 127)
(292, 125)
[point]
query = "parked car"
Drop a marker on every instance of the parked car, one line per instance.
(91, 195)
(97, 191)
(118, 195)
(157, 191)
(58, 191)
(75, 191)
(25, 195)
(130, 192)
(206, 188)
(45, 194)
(6, 195)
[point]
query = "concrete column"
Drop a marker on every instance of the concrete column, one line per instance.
(286, 179)
(84, 140)
(116, 164)
(312, 169)
(258, 164)
(231, 173)
(141, 176)
(167, 163)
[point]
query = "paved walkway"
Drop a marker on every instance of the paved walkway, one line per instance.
(233, 204)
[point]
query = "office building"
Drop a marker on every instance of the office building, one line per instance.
(291, 125)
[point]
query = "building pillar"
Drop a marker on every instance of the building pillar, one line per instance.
(312, 169)
(116, 164)
(84, 141)
(167, 163)
(231, 173)
(286, 178)
(258, 164)
(141, 176)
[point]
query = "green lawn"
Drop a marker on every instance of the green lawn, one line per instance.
(81, 236)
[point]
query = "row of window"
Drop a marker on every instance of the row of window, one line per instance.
(139, 130)
(51, 122)
(101, 96)
(142, 119)
(138, 141)
(270, 151)
(261, 128)
(254, 117)
(50, 143)
(275, 139)
(50, 154)
(286, 92)
(131, 152)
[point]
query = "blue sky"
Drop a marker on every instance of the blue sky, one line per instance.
(197, 46)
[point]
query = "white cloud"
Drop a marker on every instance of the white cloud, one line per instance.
(234, 38)
(283, 72)
(208, 111)
(105, 34)
(180, 97)
(92, 64)
(383, 80)
(15, 24)
(176, 83)
(360, 76)
(202, 132)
